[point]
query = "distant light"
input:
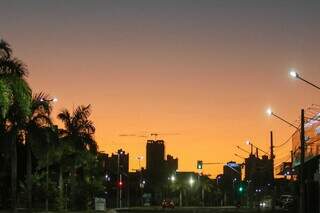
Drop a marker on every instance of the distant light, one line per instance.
(143, 182)
(269, 111)
(248, 142)
(191, 181)
(293, 73)
(55, 99)
(172, 178)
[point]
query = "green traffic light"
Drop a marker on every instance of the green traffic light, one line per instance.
(240, 189)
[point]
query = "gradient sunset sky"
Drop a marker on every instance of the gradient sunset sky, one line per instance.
(204, 69)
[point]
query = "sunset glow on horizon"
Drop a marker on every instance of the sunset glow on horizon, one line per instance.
(201, 75)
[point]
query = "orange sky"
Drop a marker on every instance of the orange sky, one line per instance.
(207, 71)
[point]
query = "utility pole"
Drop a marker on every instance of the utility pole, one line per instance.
(272, 171)
(291, 165)
(271, 153)
(302, 185)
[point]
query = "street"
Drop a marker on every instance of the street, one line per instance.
(229, 209)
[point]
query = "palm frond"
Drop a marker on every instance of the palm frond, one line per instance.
(38, 101)
(66, 118)
(5, 49)
(82, 112)
(13, 66)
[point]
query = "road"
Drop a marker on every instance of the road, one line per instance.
(190, 210)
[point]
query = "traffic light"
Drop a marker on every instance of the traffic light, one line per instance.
(120, 184)
(240, 189)
(199, 164)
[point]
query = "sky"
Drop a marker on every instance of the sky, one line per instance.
(201, 73)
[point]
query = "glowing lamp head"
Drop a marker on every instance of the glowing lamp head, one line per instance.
(55, 99)
(293, 73)
(269, 111)
(248, 142)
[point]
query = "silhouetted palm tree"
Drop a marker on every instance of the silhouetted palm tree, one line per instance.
(39, 120)
(15, 102)
(76, 140)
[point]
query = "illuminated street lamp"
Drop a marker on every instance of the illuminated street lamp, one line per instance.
(302, 149)
(294, 74)
(271, 113)
(50, 100)
(47, 166)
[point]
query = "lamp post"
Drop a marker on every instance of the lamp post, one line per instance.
(252, 145)
(47, 157)
(302, 154)
(139, 158)
(294, 74)
(119, 153)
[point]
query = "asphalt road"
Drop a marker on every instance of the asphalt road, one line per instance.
(191, 210)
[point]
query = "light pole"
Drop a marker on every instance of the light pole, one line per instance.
(139, 158)
(47, 156)
(119, 153)
(252, 145)
(302, 154)
(271, 113)
(294, 74)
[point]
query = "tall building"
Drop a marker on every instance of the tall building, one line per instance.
(155, 157)
(158, 169)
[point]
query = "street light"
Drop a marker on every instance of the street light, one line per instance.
(252, 145)
(50, 100)
(271, 113)
(119, 153)
(302, 149)
(139, 158)
(47, 166)
(294, 74)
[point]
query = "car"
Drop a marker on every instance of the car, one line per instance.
(287, 201)
(167, 203)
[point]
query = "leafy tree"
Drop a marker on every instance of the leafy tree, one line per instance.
(15, 96)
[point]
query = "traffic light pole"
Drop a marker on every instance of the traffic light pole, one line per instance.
(120, 191)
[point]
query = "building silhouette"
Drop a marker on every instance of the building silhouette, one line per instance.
(158, 169)
(230, 181)
(155, 157)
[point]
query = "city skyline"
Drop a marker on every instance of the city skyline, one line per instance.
(203, 72)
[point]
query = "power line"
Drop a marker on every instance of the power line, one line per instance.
(286, 141)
